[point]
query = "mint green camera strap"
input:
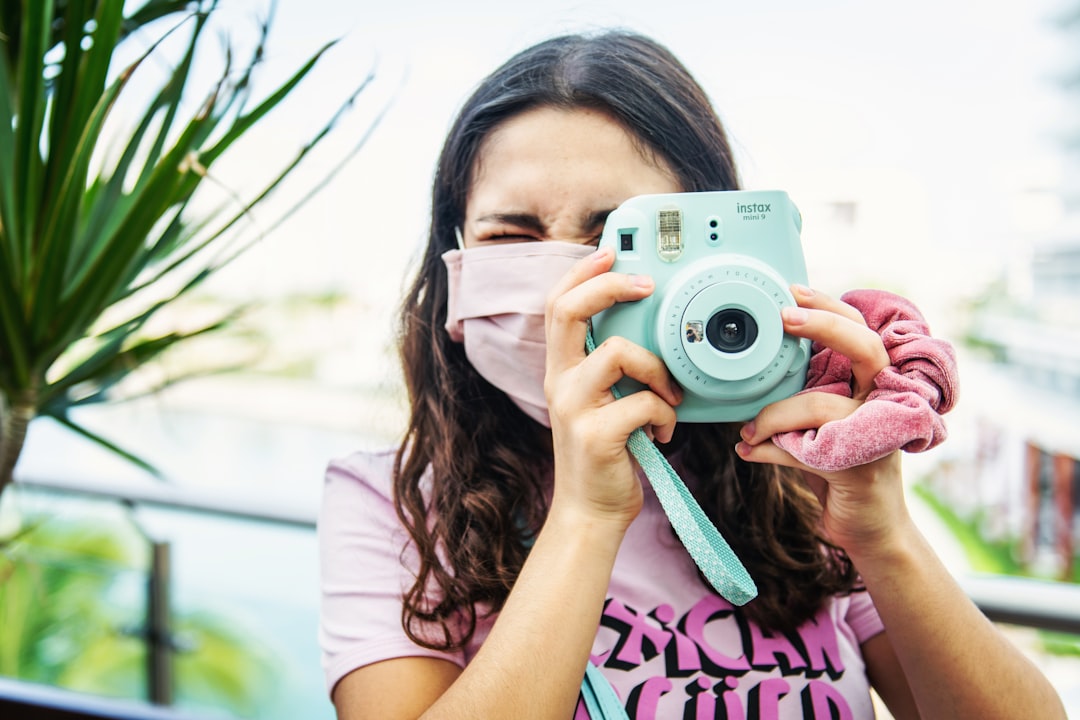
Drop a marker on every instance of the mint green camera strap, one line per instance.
(699, 536)
(601, 702)
(714, 557)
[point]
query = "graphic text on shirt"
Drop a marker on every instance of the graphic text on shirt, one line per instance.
(743, 679)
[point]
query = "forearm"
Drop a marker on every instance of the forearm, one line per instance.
(956, 662)
(532, 663)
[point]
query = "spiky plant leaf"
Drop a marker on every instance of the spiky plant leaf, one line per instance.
(87, 235)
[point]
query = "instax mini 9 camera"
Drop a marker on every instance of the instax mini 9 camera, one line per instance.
(722, 263)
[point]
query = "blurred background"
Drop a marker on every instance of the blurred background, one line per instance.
(933, 149)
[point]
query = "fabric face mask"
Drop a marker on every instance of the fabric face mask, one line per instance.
(495, 306)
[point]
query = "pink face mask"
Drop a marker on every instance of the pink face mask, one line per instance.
(496, 299)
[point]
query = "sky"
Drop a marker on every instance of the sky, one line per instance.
(937, 118)
(948, 107)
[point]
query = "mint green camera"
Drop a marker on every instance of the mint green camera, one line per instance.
(722, 263)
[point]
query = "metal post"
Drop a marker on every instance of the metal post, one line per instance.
(159, 645)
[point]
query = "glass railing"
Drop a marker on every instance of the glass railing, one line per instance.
(136, 595)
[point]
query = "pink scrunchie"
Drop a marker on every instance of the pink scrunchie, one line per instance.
(904, 409)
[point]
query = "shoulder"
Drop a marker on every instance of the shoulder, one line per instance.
(357, 500)
(362, 472)
(367, 562)
(358, 481)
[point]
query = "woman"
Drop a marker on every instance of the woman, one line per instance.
(474, 571)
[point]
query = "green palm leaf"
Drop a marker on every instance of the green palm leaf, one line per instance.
(86, 233)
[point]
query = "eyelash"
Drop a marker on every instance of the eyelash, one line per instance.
(594, 241)
(511, 236)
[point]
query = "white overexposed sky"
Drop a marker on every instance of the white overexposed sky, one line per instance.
(937, 118)
(947, 104)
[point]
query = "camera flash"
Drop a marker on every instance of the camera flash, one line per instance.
(669, 245)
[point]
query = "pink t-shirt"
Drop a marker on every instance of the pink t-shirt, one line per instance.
(670, 647)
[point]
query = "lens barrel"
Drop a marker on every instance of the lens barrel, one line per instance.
(731, 330)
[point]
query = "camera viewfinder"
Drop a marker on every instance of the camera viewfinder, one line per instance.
(669, 244)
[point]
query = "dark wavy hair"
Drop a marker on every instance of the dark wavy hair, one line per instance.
(470, 474)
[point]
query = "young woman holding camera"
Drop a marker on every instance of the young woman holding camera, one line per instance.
(475, 571)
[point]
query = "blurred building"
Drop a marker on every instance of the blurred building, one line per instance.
(1023, 485)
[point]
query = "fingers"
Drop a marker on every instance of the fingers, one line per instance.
(810, 298)
(590, 419)
(840, 327)
(584, 291)
(798, 412)
(617, 357)
(648, 411)
(594, 427)
(767, 453)
(575, 382)
(589, 385)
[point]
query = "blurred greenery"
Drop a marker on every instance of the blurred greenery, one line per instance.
(984, 556)
(102, 225)
(70, 619)
(1061, 643)
(50, 573)
(998, 557)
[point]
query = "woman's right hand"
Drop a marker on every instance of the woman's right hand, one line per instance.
(594, 473)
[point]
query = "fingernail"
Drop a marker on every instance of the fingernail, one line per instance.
(743, 449)
(747, 431)
(677, 392)
(600, 254)
(794, 315)
(641, 281)
(802, 290)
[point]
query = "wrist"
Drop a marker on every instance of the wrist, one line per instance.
(603, 502)
(894, 550)
(569, 522)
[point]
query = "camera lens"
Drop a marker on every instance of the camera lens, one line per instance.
(731, 330)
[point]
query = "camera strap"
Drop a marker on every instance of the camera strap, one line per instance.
(717, 561)
(600, 699)
(714, 557)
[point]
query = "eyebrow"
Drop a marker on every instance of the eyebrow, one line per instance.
(529, 221)
(521, 220)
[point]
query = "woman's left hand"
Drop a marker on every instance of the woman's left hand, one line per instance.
(952, 661)
(861, 505)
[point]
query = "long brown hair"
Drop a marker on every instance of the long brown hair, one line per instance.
(469, 476)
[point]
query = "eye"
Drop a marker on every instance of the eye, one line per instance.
(508, 237)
